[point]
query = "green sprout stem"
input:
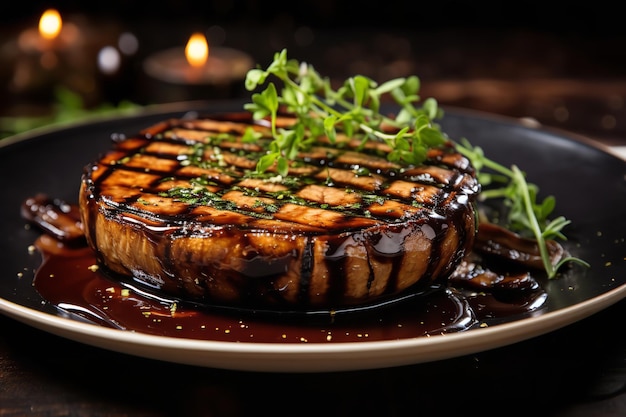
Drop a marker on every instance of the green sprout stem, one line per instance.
(518, 177)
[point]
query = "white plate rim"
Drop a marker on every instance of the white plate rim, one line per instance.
(311, 357)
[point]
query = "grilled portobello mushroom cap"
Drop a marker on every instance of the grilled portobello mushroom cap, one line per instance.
(176, 208)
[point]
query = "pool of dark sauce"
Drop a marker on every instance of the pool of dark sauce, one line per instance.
(475, 295)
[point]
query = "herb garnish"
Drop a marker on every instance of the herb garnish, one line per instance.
(354, 108)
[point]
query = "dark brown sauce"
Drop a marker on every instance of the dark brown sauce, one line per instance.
(70, 279)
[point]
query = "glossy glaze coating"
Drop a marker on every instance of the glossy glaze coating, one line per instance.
(175, 208)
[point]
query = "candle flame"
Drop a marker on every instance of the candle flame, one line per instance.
(50, 24)
(197, 50)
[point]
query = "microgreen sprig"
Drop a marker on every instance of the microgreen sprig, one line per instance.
(354, 109)
(524, 213)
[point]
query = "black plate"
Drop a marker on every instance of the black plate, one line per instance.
(588, 182)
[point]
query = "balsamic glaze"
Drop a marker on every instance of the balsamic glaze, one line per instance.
(70, 279)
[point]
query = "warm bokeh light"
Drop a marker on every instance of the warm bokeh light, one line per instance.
(50, 24)
(197, 50)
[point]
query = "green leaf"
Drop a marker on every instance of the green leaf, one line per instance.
(431, 107)
(403, 117)
(283, 166)
(360, 86)
(374, 102)
(270, 98)
(401, 143)
(389, 86)
(420, 122)
(432, 137)
(266, 161)
(250, 135)
(254, 77)
(329, 127)
(411, 86)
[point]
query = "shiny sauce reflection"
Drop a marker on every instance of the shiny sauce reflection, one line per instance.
(70, 279)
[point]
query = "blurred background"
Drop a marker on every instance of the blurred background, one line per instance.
(564, 66)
